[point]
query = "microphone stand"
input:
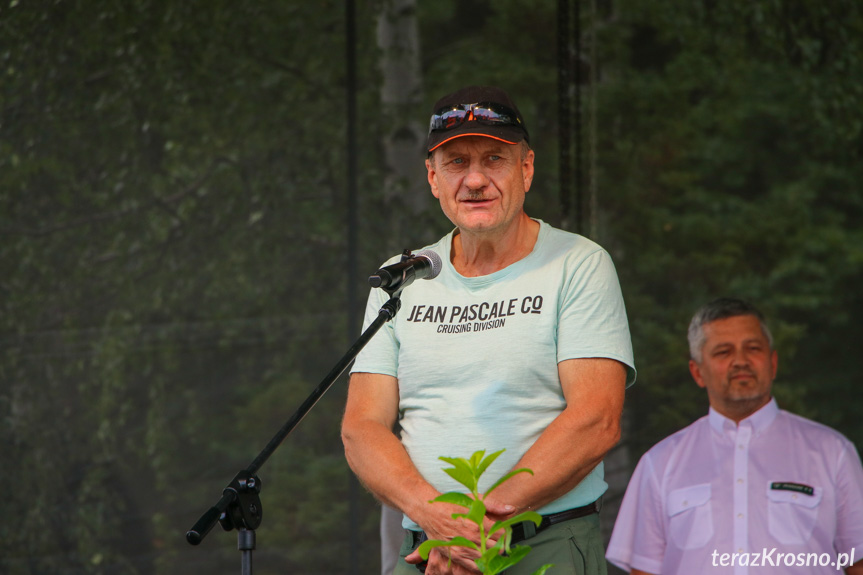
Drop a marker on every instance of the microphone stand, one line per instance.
(240, 506)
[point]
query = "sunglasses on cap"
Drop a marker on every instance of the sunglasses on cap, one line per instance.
(487, 113)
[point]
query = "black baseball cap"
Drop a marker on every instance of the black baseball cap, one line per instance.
(476, 111)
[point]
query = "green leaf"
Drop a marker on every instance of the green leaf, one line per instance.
(475, 514)
(487, 462)
(461, 471)
(425, 548)
(493, 562)
(455, 461)
(505, 541)
(455, 498)
(476, 460)
(508, 523)
(503, 544)
(507, 476)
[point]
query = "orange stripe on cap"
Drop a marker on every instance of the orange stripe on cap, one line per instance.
(470, 134)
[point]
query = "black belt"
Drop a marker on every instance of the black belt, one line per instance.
(527, 529)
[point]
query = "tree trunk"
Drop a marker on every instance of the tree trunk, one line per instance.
(406, 191)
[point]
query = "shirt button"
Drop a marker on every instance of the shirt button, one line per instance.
(739, 480)
(740, 516)
(685, 503)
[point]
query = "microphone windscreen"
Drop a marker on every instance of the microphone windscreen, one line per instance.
(434, 259)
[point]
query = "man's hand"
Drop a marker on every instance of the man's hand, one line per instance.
(856, 569)
(439, 524)
(499, 511)
(439, 562)
(380, 461)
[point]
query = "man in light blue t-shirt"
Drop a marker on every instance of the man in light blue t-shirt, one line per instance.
(521, 343)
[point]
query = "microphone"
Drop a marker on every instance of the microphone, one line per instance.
(422, 265)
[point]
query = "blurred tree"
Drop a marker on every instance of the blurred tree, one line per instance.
(731, 152)
(171, 173)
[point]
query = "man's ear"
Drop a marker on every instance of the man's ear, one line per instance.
(430, 168)
(774, 362)
(696, 373)
(527, 170)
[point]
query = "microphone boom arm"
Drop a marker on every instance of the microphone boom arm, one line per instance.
(240, 506)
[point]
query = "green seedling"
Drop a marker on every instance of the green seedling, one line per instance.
(501, 555)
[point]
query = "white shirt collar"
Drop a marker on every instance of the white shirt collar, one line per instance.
(760, 420)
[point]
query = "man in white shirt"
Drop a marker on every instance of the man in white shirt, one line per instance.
(749, 488)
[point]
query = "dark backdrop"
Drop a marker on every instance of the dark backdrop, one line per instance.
(173, 207)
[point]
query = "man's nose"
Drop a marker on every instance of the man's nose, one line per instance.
(740, 358)
(475, 178)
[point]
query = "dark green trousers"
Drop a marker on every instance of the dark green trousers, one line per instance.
(574, 547)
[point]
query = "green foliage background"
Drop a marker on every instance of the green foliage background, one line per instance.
(172, 208)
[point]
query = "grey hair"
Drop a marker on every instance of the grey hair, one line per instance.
(717, 309)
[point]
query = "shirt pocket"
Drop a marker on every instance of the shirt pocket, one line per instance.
(791, 515)
(690, 516)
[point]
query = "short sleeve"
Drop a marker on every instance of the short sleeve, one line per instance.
(849, 487)
(592, 317)
(638, 538)
(381, 353)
